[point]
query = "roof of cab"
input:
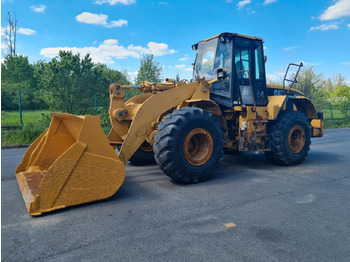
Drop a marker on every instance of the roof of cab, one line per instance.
(235, 34)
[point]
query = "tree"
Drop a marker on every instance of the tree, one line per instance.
(342, 98)
(177, 78)
(11, 34)
(68, 83)
(18, 74)
(150, 70)
(312, 85)
(333, 83)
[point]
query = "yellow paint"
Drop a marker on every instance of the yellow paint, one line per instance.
(274, 106)
(151, 109)
(230, 225)
(317, 126)
(70, 164)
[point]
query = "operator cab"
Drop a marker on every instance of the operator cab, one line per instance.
(242, 58)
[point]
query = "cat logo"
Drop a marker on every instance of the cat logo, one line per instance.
(278, 92)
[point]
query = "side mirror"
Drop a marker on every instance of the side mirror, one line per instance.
(221, 74)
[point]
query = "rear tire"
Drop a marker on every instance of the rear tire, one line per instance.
(290, 138)
(143, 156)
(188, 145)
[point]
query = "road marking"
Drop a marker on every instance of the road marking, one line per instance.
(230, 225)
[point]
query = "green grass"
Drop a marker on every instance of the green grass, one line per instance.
(336, 114)
(34, 124)
(24, 136)
(337, 123)
(11, 118)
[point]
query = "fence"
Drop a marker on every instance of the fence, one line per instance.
(331, 110)
(12, 114)
(337, 111)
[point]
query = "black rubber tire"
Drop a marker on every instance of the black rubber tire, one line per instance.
(142, 158)
(279, 131)
(169, 145)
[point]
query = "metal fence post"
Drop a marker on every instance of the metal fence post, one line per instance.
(20, 107)
(330, 107)
(95, 104)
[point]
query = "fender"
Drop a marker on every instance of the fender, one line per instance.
(211, 107)
(301, 103)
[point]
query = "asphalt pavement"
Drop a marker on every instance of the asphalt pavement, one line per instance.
(298, 213)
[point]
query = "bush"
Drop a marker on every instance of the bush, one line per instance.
(24, 136)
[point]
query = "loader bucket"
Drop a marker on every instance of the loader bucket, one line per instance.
(69, 164)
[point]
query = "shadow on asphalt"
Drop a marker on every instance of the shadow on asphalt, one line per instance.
(232, 168)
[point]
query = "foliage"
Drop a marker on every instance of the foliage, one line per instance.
(342, 98)
(311, 85)
(150, 70)
(337, 123)
(24, 136)
(17, 74)
(68, 83)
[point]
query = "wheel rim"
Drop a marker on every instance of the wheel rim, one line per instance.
(198, 146)
(296, 139)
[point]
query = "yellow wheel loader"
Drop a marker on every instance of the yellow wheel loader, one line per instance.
(185, 127)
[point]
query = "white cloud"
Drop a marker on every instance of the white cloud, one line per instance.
(269, 2)
(325, 27)
(26, 31)
(113, 2)
(133, 74)
(243, 3)
(348, 25)
(289, 48)
(3, 45)
(275, 77)
(99, 19)
(118, 23)
(163, 3)
(185, 58)
(3, 30)
(346, 63)
(93, 19)
(179, 66)
(110, 50)
(159, 49)
(183, 67)
(340, 8)
(38, 8)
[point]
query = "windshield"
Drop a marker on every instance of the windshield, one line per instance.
(204, 65)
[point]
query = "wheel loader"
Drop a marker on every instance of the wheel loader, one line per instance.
(185, 127)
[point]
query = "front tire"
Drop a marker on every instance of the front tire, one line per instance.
(143, 156)
(188, 145)
(290, 138)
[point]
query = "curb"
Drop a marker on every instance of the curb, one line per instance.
(14, 146)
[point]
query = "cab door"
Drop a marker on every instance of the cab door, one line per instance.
(250, 71)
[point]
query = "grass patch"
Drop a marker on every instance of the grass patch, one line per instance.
(24, 136)
(11, 118)
(336, 123)
(336, 114)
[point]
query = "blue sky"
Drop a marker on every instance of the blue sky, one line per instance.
(118, 32)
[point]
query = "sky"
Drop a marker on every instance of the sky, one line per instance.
(118, 32)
